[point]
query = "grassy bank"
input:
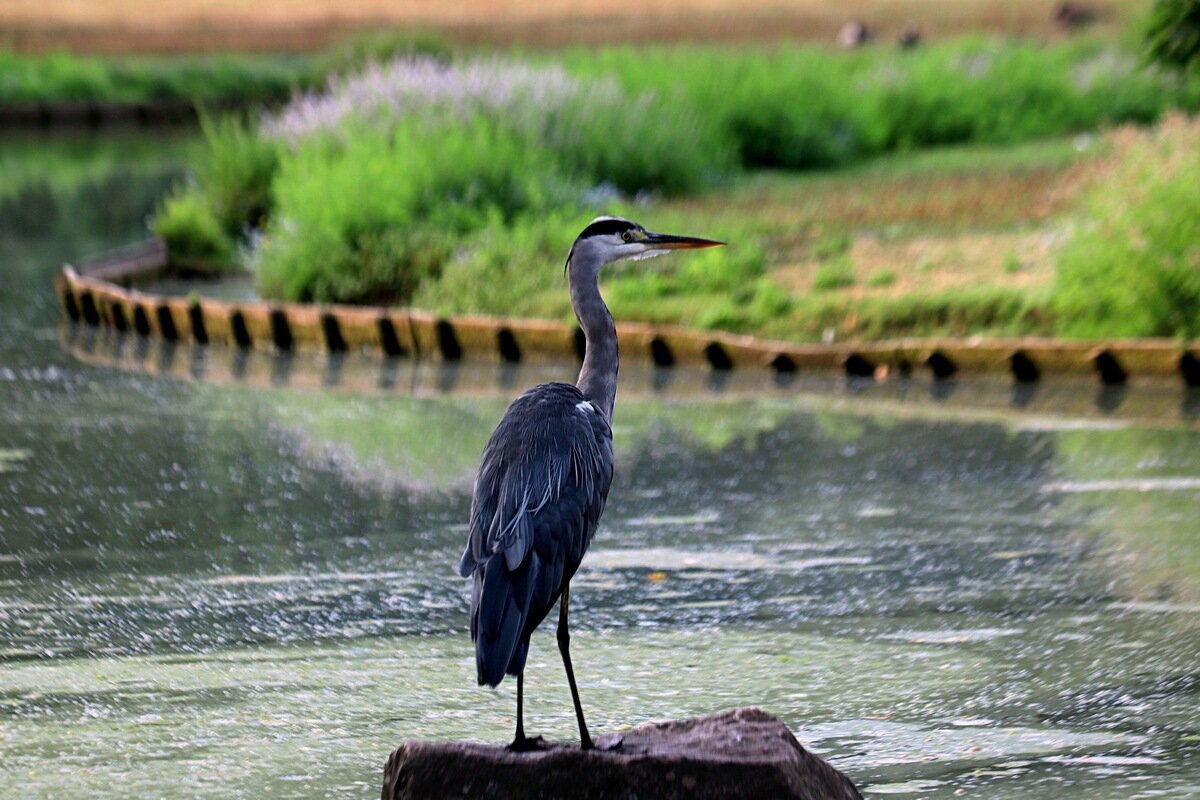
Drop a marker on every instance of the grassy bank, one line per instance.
(216, 80)
(801, 107)
(955, 240)
(454, 184)
(1132, 266)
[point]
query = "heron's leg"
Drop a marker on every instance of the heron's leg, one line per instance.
(520, 737)
(521, 743)
(564, 643)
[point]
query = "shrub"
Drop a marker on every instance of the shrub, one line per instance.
(1173, 33)
(446, 150)
(595, 131)
(507, 268)
(192, 233)
(1132, 267)
(803, 106)
(643, 143)
(809, 120)
(386, 95)
(237, 173)
(344, 208)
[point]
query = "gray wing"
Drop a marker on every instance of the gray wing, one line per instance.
(549, 460)
(541, 488)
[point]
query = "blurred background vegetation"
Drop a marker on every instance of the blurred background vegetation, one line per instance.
(1034, 171)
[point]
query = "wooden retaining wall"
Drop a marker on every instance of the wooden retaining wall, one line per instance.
(101, 292)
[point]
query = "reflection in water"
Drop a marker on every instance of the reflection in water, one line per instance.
(508, 378)
(660, 379)
(281, 369)
(1154, 403)
(942, 389)
(718, 380)
(205, 553)
(1024, 393)
(1110, 397)
(333, 371)
(1189, 407)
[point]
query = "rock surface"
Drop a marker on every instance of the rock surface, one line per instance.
(744, 753)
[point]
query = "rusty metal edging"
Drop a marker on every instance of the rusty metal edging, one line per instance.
(100, 292)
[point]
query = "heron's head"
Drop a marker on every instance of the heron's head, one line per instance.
(609, 239)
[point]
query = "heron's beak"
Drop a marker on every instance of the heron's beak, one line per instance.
(667, 241)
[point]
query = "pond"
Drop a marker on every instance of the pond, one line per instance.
(234, 575)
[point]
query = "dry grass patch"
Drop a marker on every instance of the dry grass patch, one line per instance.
(177, 25)
(945, 242)
(906, 211)
(935, 264)
(857, 199)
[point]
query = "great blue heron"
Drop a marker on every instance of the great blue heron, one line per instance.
(544, 479)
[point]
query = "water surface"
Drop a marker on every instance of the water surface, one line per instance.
(233, 574)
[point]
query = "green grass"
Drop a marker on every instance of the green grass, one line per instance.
(803, 107)
(837, 273)
(215, 79)
(192, 232)
(474, 211)
(222, 79)
(370, 207)
(236, 176)
(372, 217)
(881, 279)
(1132, 267)
(987, 309)
(769, 219)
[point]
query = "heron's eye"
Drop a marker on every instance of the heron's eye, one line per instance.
(627, 236)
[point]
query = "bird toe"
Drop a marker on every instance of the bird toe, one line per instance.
(526, 744)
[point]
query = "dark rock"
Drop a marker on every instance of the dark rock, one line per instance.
(744, 753)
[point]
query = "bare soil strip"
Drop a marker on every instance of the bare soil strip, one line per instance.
(128, 26)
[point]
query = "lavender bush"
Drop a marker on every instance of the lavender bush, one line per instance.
(381, 173)
(598, 133)
(428, 89)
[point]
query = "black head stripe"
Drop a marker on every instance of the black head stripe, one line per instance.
(602, 227)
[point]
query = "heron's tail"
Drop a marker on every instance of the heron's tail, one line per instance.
(498, 613)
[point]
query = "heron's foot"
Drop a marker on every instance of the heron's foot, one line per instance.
(605, 744)
(526, 744)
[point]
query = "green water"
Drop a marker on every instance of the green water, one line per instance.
(232, 576)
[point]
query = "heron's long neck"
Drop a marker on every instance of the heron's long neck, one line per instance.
(598, 376)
